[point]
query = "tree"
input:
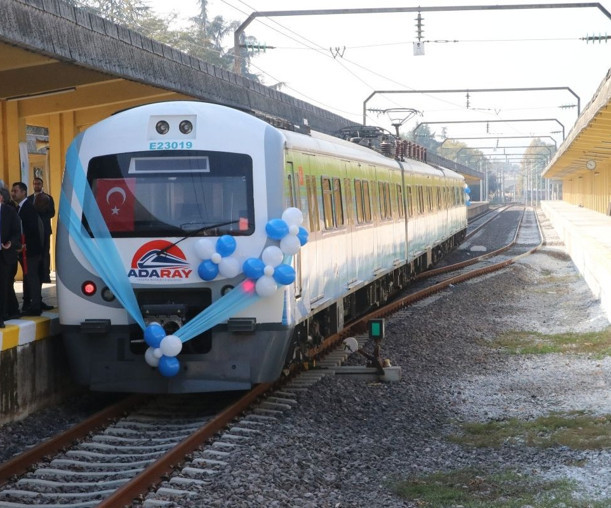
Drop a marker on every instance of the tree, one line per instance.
(201, 38)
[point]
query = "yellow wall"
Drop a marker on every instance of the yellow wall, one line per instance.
(590, 189)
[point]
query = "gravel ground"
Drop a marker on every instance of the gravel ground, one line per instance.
(348, 439)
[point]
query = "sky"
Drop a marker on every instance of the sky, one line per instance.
(344, 63)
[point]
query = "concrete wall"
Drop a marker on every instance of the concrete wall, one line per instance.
(32, 376)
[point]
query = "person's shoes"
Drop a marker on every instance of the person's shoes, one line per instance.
(46, 281)
(13, 316)
(2, 325)
(32, 312)
(44, 306)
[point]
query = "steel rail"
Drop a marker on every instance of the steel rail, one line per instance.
(21, 463)
(136, 488)
(360, 325)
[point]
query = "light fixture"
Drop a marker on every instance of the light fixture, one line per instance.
(591, 164)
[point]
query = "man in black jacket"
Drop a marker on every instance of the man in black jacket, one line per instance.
(45, 206)
(10, 233)
(31, 255)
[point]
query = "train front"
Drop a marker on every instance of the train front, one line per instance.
(174, 251)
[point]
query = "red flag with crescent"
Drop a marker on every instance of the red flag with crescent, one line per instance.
(115, 198)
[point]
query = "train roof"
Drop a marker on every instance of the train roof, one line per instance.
(331, 145)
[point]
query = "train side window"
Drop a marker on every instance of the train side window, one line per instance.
(358, 201)
(381, 200)
(366, 202)
(349, 208)
(420, 200)
(312, 202)
(327, 202)
(400, 203)
(384, 198)
(291, 190)
(410, 201)
(338, 207)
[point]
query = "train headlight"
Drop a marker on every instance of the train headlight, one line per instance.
(107, 295)
(88, 288)
(226, 289)
(185, 127)
(162, 127)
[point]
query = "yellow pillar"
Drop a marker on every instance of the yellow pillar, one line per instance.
(12, 132)
(61, 133)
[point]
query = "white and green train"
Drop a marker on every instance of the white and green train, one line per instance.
(202, 249)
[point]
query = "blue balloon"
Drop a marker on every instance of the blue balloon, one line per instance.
(276, 229)
(253, 268)
(154, 334)
(284, 274)
(467, 190)
(303, 235)
(225, 245)
(168, 366)
(208, 270)
(468, 202)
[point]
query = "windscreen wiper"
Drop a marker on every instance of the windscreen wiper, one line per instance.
(197, 232)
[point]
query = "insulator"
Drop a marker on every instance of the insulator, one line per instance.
(385, 148)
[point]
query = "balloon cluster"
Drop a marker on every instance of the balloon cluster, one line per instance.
(266, 272)
(468, 195)
(269, 270)
(162, 350)
(217, 257)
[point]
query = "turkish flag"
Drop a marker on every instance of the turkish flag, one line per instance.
(115, 198)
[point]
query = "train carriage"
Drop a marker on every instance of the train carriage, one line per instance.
(201, 249)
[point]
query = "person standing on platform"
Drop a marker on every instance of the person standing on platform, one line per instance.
(11, 310)
(10, 236)
(31, 254)
(45, 206)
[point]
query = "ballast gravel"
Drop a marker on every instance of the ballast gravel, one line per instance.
(348, 439)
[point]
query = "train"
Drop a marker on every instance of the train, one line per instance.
(203, 248)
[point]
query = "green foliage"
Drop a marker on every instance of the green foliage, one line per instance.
(473, 488)
(200, 37)
(577, 430)
(597, 344)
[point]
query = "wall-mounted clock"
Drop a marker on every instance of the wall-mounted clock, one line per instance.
(591, 164)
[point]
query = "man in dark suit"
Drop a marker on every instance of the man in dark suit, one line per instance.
(31, 255)
(11, 310)
(45, 206)
(10, 233)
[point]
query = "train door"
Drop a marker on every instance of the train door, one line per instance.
(294, 199)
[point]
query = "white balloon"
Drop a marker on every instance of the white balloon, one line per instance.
(294, 229)
(150, 358)
(216, 258)
(266, 286)
(229, 267)
(268, 270)
(171, 345)
(272, 255)
(157, 352)
(292, 216)
(290, 245)
(205, 248)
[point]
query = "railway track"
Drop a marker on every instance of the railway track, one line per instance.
(121, 454)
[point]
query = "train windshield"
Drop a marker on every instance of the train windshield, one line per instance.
(175, 193)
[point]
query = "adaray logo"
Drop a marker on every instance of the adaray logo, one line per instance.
(152, 261)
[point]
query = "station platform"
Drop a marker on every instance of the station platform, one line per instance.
(22, 331)
(587, 239)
